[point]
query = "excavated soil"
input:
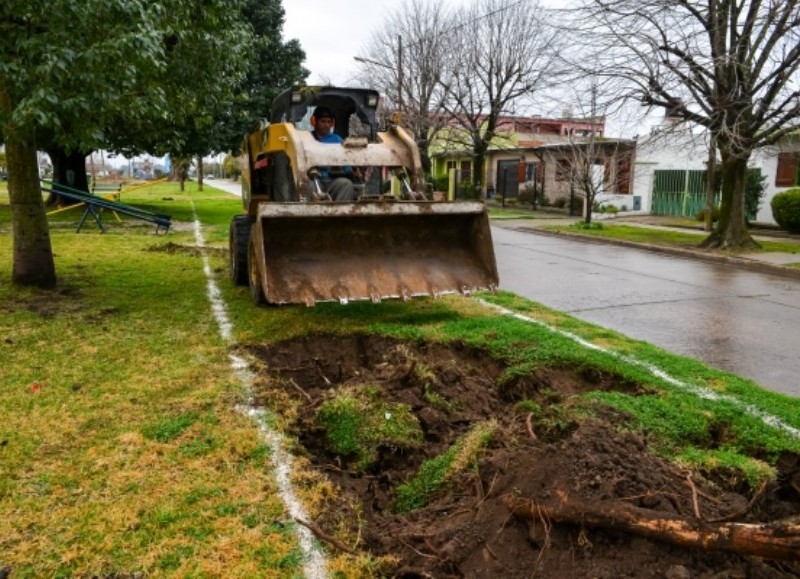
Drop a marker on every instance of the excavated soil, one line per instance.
(469, 531)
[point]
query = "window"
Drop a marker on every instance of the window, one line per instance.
(788, 169)
(463, 169)
(530, 172)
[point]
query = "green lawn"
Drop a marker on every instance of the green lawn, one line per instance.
(121, 448)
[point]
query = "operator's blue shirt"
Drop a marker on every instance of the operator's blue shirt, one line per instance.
(329, 138)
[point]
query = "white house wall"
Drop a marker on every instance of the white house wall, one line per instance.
(766, 159)
(674, 150)
(669, 148)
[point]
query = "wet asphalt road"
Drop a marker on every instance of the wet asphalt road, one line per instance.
(743, 322)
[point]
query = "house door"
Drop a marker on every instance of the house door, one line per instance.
(507, 179)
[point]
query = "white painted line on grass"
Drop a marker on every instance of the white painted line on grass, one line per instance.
(695, 389)
(315, 565)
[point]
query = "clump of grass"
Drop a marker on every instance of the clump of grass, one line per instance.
(168, 428)
(427, 377)
(583, 226)
(552, 421)
(750, 470)
(435, 474)
(357, 423)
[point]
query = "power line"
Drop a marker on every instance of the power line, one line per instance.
(482, 16)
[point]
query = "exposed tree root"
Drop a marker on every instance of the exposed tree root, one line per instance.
(776, 540)
(323, 536)
(733, 243)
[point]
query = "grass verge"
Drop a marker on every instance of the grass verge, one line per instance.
(664, 237)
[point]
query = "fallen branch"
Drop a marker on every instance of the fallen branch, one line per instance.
(776, 540)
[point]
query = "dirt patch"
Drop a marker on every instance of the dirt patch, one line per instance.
(192, 250)
(46, 303)
(537, 451)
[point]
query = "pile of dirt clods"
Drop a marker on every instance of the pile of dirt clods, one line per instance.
(471, 531)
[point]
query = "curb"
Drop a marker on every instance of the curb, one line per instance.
(740, 262)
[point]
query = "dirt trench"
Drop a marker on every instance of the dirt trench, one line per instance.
(536, 451)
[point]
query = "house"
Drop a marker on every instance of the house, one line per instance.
(671, 163)
(541, 155)
(781, 167)
(670, 169)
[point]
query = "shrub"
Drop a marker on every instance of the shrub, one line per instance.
(560, 202)
(441, 183)
(786, 210)
(588, 226)
(701, 215)
(754, 190)
(526, 194)
(467, 190)
(597, 207)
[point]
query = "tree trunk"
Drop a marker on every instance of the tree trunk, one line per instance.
(731, 231)
(477, 172)
(69, 168)
(33, 263)
(424, 155)
(199, 174)
(710, 172)
(777, 540)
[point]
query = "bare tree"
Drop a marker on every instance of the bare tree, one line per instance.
(596, 164)
(505, 54)
(404, 60)
(731, 67)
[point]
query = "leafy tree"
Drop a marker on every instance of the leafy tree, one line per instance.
(205, 59)
(52, 79)
(80, 74)
(731, 67)
(273, 66)
(231, 167)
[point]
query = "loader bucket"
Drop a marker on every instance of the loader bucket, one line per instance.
(312, 252)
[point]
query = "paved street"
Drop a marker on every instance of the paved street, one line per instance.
(740, 321)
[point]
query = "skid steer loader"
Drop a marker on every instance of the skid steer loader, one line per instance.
(293, 244)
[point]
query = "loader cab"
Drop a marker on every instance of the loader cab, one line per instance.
(354, 109)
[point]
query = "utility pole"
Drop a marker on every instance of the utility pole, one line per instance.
(399, 73)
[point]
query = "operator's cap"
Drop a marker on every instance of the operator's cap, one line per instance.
(323, 112)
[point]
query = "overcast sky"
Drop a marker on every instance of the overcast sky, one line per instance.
(332, 32)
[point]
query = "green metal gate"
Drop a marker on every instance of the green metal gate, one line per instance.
(678, 192)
